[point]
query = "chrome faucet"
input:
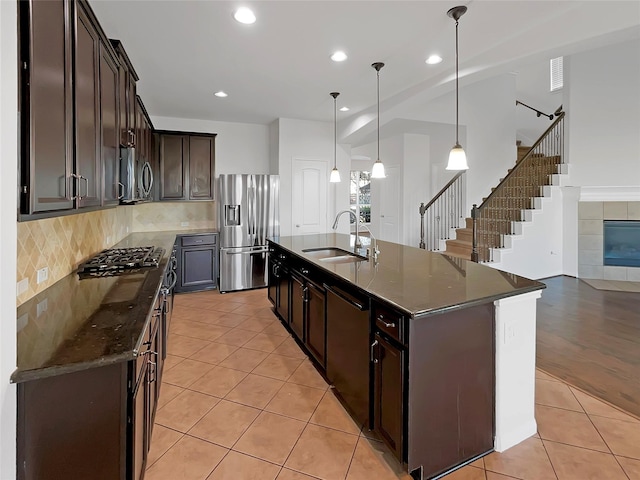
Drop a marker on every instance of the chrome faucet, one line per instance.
(355, 217)
(371, 252)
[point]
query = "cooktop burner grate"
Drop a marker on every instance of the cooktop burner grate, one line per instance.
(115, 261)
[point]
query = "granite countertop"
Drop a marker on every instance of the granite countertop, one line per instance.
(77, 324)
(416, 281)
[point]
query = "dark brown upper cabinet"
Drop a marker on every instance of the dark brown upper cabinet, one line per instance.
(187, 162)
(46, 104)
(87, 111)
(69, 110)
(109, 126)
(127, 96)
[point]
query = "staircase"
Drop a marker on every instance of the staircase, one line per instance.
(513, 200)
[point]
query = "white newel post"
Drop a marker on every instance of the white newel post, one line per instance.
(515, 319)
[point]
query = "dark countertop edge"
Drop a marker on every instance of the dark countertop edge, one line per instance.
(21, 376)
(480, 301)
(419, 313)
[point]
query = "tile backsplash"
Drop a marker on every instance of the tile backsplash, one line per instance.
(62, 243)
(160, 216)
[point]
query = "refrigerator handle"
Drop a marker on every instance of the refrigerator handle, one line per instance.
(251, 194)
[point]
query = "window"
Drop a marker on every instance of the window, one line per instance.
(360, 194)
(557, 79)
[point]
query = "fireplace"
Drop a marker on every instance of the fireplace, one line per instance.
(622, 243)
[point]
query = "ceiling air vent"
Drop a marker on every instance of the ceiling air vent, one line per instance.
(556, 74)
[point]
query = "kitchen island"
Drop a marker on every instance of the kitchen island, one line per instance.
(435, 354)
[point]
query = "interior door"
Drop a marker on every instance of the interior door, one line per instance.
(390, 200)
(309, 197)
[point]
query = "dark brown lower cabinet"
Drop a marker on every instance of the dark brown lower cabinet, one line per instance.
(278, 289)
(388, 398)
(296, 314)
(347, 361)
(315, 321)
(197, 262)
(94, 423)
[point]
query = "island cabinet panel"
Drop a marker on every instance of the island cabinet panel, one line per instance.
(278, 283)
(73, 425)
(315, 321)
(451, 372)
(348, 349)
(389, 393)
(296, 314)
(46, 106)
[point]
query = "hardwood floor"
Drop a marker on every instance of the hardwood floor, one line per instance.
(591, 339)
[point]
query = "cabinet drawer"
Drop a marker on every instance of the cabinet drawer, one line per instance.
(197, 240)
(390, 322)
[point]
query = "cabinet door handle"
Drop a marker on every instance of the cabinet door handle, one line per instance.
(304, 294)
(86, 180)
(77, 185)
(386, 324)
(120, 189)
(373, 356)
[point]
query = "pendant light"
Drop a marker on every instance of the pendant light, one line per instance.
(378, 167)
(457, 157)
(335, 174)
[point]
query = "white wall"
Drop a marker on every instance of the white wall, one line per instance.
(8, 208)
(240, 147)
(308, 140)
(603, 116)
(415, 173)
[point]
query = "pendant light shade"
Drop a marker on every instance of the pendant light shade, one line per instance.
(457, 157)
(335, 174)
(378, 167)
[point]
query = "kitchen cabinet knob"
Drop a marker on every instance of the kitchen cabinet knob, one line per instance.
(304, 271)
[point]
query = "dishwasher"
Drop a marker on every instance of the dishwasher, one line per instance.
(348, 343)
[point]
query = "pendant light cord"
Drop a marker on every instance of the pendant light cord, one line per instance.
(457, 107)
(335, 133)
(378, 92)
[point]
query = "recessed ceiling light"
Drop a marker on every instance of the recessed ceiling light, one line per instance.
(244, 15)
(433, 59)
(339, 56)
(344, 109)
(220, 94)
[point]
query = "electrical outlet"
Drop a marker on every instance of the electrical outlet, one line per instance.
(107, 240)
(509, 333)
(43, 274)
(184, 224)
(42, 307)
(22, 286)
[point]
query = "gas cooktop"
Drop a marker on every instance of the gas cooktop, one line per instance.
(118, 261)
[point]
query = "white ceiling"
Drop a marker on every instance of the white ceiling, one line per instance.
(186, 50)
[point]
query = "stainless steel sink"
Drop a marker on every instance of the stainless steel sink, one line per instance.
(333, 255)
(343, 259)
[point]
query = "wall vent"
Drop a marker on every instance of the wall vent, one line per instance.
(557, 79)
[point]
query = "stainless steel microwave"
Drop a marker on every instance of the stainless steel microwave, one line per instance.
(136, 177)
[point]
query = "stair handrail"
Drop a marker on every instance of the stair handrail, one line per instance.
(538, 112)
(476, 212)
(424, 208)
(520, 162)
(443, 189)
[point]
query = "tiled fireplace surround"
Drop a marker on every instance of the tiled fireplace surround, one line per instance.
(591, 216)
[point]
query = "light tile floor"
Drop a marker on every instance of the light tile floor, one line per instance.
(240, 401)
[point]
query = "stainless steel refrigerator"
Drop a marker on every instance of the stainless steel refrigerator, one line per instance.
(248, 214)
